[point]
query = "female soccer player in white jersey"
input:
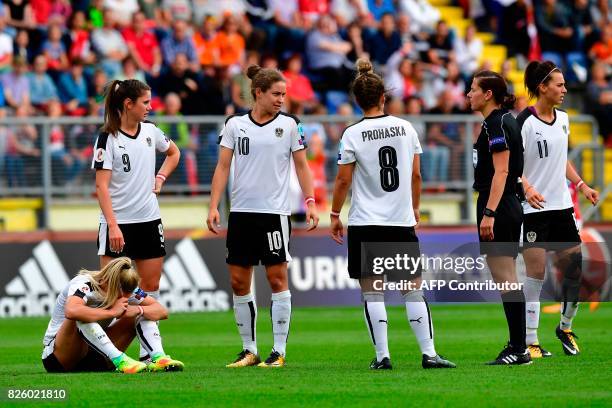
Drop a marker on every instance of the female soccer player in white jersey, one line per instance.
(498, 165)
(549, 212)
(126, 184)
(261, 143)
(95, 319)
(379, 156)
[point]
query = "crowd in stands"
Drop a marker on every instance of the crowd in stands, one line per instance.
(57, 55)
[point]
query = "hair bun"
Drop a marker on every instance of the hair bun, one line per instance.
(252, 70)
(364, 66)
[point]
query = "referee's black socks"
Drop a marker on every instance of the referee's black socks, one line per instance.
(514, 307)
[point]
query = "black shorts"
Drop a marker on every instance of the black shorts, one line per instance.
(257, 237)
(143, 240)
(93, 361)
(553, 230)
(506, 228)
(394, 241)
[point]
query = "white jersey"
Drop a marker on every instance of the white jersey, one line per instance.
(383, 150)
(262, 153)
(132, 161)
(545, 158)
(80, 286)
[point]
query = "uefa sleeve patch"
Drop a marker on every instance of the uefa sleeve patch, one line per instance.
(99, 155)
(497, 142)
(139, 294)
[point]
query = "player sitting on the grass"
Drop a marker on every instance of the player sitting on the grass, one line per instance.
(95, 319)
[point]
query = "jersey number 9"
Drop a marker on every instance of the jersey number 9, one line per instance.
(389, 175)
(126, 162)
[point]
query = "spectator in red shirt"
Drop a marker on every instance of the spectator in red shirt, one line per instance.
(300, 94)
(143, 45)
(78, 44)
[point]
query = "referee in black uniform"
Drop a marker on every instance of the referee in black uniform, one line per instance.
(498, 164)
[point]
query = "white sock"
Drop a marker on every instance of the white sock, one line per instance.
(149, 337)
(281, 319)
(144, 354)
(245, 312)
(375, 315)
(532, 289)
(97, 339)
(568, 312)
(419, 318)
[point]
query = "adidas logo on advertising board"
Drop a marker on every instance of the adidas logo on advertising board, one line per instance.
(186, 283)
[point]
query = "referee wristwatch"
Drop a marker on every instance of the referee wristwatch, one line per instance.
(489, 213)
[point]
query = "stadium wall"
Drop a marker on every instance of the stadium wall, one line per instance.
(36, 267)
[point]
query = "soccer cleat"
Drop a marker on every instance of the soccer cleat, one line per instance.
(245, 359)
(536, 351)
(165, 363)
(568, 340)
(384, 364)
(128, 365)
(274, 360)
(509, 357)
(436, 361)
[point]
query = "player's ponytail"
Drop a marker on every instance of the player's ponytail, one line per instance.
(536, 74)
(367, 87)
(115, 93)
(262, 78)
(118, 277)
(490, 80)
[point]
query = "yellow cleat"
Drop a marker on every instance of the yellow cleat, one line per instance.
(245, 359)
(165, 363)
(128, 365)
(274, 360)
(536, 351)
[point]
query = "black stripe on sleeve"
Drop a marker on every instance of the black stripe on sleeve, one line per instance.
(79, 293)
(522, 117)
(100, 150)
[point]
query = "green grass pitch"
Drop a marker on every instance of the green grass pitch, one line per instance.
(328, 355)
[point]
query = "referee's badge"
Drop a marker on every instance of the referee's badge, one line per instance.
(531, 236)
(278, 132)
(149, 141)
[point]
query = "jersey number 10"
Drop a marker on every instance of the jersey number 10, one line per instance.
(389, 175)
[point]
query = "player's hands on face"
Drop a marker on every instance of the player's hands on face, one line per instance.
(591, 194)
(312, 215)
(213, 221)
(119, 307)
(337, 230)
(486, 228)
(534, 198)
(115, 239)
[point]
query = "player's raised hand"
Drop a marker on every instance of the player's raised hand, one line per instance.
(213, 222)
(591, 194)
(534, 198)
(337, 229)
(115, 239)
(312, 216)
(119, 307)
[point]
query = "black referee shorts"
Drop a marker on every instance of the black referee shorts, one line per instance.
(143, 240)
(506, 228)
(553, 230)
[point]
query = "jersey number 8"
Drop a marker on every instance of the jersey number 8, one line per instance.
(389, 175)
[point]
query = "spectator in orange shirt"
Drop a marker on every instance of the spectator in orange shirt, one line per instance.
(300, 94)
(230, 44)
(602, 49)
(205, 41)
